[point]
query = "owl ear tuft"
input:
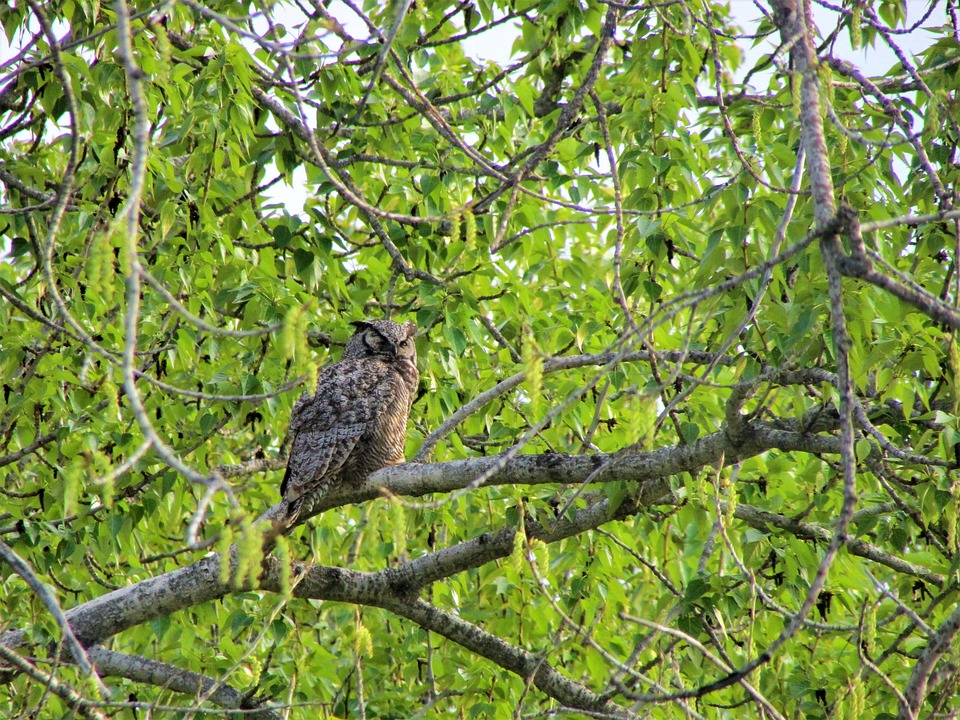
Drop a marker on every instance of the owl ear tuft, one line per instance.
(360, 324)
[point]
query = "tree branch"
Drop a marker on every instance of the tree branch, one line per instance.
(140, 669)
(763, 520)
(916, 688)
(105, 616)
(525, 664)
(21, 568)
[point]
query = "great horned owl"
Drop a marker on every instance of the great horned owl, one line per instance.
(356, 420)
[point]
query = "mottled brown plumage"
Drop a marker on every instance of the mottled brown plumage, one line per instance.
(356, 421)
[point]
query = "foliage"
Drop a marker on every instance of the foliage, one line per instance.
(606, 232)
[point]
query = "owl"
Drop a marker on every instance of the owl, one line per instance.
(356, 420)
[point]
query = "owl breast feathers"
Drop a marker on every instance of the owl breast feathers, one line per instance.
(356, 420)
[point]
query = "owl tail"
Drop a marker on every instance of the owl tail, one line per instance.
(291, 515)
(299, 509)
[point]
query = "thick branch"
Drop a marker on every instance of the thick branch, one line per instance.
(916, 689)
(396, 588)
(140, 669)
(75, 700)
(98, 619)
(525, 664)
(413, 480)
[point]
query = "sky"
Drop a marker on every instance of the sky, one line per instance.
(495, 46)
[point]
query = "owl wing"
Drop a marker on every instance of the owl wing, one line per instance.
(328, 426)
(317, 455)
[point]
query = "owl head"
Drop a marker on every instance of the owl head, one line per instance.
(383, 339)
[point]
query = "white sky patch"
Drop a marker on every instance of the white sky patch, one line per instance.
(496, 45)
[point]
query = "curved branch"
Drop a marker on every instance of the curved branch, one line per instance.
(395, 588)
(85, 707)
(105, 616)
(916, 689)
(335, 584)
(115, 664)
(22, 569)
(525, 664)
